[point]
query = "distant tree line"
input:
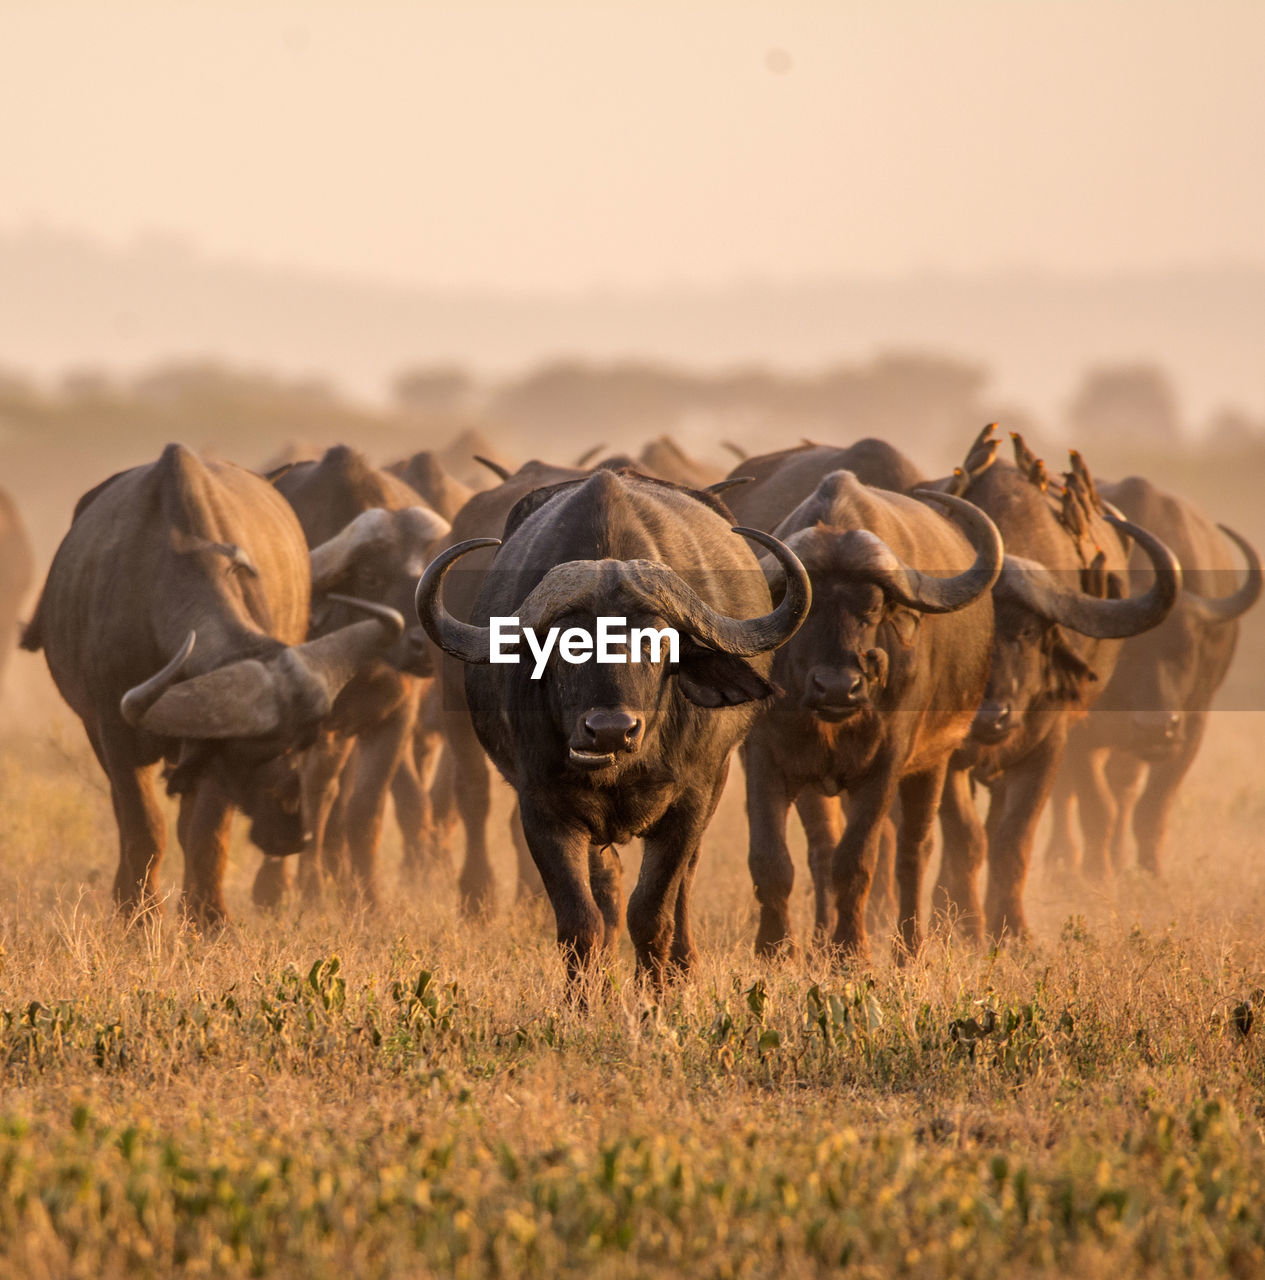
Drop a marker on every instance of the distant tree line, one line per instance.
(925, 403)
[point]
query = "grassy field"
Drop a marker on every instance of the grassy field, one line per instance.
(322, 1094)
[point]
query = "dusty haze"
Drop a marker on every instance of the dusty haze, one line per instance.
(345, 190)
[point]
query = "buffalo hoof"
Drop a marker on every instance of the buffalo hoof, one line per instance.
(849, 953)
(781, 950)
(205, 917)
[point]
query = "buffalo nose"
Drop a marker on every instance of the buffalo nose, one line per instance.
(995, 716)
(612, 730)
(851, 684)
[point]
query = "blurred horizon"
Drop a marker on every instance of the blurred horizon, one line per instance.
(344, 193)
(75, 305)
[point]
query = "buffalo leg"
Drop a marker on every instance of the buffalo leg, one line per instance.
(882, 906)
(473, 796)
(769, 800)
(141, 838)
(606, 882)
(822, 819)
(683, 953)
(1126, 774)
(919, 802)
(1018, 799)
(671, 846)
(957, 893)
(206, 819)
(562, 857)
(1150, 822)
(1064, 852)
(428, 762)
(443, 804)
(412, 816)
(1097, 808)
(856, 857)
(379, 751)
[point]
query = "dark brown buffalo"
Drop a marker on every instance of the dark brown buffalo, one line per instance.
(1061, 607)
(463, 781)
(600, 753)
(173, 622)
(1151, 717)
(425, 474)
(781, 481)
(370, 537)
(876, 692)
(17, 569)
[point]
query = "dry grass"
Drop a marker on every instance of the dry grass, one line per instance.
(323, 1094)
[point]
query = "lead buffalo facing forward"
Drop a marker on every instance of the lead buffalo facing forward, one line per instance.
(600, 753)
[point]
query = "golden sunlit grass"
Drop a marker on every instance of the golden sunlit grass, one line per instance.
(330, 1094)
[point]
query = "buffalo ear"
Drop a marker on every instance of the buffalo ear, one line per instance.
(712, 679)
(904, 624)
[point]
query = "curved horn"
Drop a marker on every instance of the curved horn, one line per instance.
(922, 591)
(332, 660)
(290, 690)
(580, 586)
(1032, 586)
(1226, 608)
(329, 559)
(588, 455)
(241, 700)
(390, 618)
(721, 485)
(426, 523)
(736, 449)
(494, 467)
(138, 700)
(461, 639)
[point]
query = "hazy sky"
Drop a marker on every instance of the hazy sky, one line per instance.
(527, 146)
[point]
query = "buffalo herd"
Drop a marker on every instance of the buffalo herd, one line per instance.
(878, 646)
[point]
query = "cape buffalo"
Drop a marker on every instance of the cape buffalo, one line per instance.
(463, 778)
(17, 568)
(1151, 716)
(602, 752)
(781, 481)
(173, 621)
(371, 537)
(877, 691)
(425, 474)
(1061, 610)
